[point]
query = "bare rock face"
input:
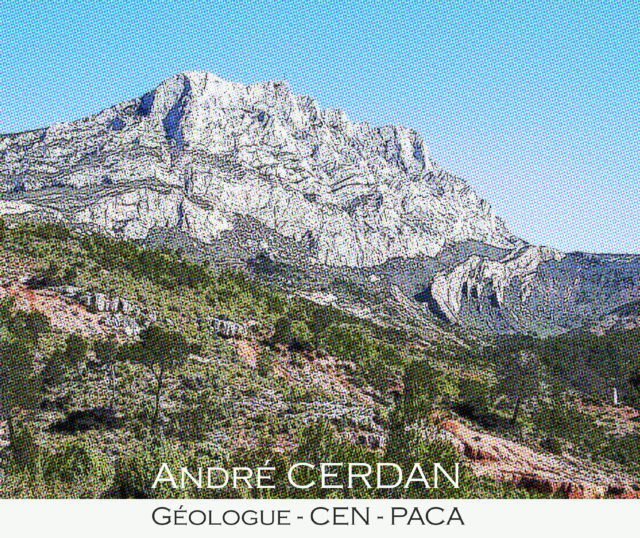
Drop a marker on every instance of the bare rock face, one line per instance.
(477, 275)
(101, 302)
(228, 329)
(198, 150)
(126, 324)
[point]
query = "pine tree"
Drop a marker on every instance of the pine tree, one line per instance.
(106, 353)
(75, 352)
(160, 351)
(28, 325)
(519, 378)
(18, 384)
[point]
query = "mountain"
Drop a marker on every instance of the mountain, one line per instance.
(349, 297)
(247, 173)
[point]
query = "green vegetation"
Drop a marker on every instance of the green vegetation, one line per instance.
(220, 410)
(160, 351)
(584, 361)
(356, 290)
(234, 295)
(265, 362)
(25, 326)
(133, 475)
(474, 399)
(19, 384)
(519, 378)
(166, 268)
(75, 352)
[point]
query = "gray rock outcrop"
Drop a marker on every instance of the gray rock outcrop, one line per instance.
(474, 276)
(228, 329)
(197, 151)
(101, 302)
(125, 323)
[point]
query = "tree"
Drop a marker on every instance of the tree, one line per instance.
(264, 362)
(53, 370)
(6, 309)
(316, 441)
(28, 325)
(160, 351)
(70, 274)
(282, 333)
(473, 396)
(401, 438)
(106, 352)
(634, 380)
(293, 332)
(18, 385)
(348, 341)
(49, 276)
(302, 335)
(75, 352)
(421, 389)
(519, 378)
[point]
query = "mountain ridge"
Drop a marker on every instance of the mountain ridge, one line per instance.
(326, 190)
(246, 171)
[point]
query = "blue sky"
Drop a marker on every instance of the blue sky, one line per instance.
(536, 105)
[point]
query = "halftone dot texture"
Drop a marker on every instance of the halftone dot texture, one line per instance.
(209, 274)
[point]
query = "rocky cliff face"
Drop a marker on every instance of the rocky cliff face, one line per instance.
(476, 276)
(198, 150)
(200, 157)
(533, 289)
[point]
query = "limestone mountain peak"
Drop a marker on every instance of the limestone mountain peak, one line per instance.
(198, 151)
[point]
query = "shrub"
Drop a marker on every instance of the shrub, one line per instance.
(50, 276)
(75, 352)
(165, 268)
(74, 461)
(194, 423)
(389, 353)
(70, 274)
(552, 444)
(132, 478)
(295, 333)
(568, 423)
(53, 371)
(50, 231)
(29, 326)
(25, 451)
(282, 333)
(474, 398)
(265, 361)
(348, 341)
(302, 337)
(624, 450)
(134, 474)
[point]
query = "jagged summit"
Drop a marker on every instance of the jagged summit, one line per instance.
(198, 151)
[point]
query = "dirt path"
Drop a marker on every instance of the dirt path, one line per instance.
(508, 461)
(62, 313)
(247, 352)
